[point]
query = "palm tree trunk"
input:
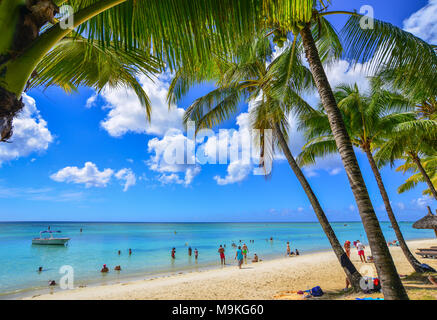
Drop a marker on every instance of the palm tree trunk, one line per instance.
(428, 181)
(411, 259)
(391, 283)
(351, 272)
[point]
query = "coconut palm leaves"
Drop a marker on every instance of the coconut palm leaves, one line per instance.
(76, 62)
(370, 120)
(430, 166)
(272, 86)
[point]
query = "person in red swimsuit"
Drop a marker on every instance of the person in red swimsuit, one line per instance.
(221, 250)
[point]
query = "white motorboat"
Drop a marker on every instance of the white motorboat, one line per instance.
(49, 240)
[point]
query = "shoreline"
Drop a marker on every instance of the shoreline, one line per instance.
(268, 279)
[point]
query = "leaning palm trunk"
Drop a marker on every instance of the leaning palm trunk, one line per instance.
(392, 287)
(411, 259)
(351, 272)
(428, 181)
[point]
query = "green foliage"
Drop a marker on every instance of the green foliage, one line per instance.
(76, 62)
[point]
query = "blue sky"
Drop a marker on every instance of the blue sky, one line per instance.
(88, 157)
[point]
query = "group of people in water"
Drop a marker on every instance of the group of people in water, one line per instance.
(105, 269)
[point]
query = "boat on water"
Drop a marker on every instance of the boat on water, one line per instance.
(50, 240)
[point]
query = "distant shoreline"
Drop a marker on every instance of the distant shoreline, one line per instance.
(262, 280)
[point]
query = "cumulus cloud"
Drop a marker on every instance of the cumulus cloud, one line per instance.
(127, 176)
(423, 23)
(237, 171)
(172, 158)
(127, 115)
(88, 175)
(30, 133)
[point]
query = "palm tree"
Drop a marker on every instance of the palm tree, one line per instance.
(179, 33)
(173, 31)
(274, 90)
(413, 140)
(430, 166)
(369, 120)
(383, 44)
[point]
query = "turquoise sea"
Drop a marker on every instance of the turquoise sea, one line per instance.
(151, 244)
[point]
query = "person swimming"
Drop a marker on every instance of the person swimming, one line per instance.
(104, 269)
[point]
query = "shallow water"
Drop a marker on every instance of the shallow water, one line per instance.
(151, 243)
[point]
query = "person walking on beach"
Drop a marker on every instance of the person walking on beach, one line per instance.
(196, 253)
(173, 252)
(221, 250)
(360, 248)
(189, 251)
(347, 248)
(288, 249)
(239, 256)
(245, 251)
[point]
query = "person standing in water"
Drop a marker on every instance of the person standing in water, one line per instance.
(221, 250)
(288, 248)
(130, 251)
(196, 253)
(239, 256)
(173, 252)
(189, 251)
(245, 251)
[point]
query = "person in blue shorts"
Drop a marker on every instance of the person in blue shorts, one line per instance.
(239, 256)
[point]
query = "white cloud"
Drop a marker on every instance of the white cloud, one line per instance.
(91, 101)
(401, 205)
(422, 202)
(423, 23)
(88, 175)
(172, 159)
(30, 133)
(128, 176)
(237, 171)
(127, 115)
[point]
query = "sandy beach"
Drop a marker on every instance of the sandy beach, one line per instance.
(275, 279)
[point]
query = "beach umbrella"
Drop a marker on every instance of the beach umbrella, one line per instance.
(427, 222)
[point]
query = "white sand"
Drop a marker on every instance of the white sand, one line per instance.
(275, 279)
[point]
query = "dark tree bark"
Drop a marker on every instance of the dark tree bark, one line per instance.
(428, 181)
(351, 272)
(32, 16)
(392, 287)
(411, 259)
